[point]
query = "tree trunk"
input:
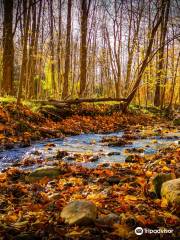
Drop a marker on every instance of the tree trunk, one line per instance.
(23, 73)
(160, 71)
(59, 46)
(29, 78)
(8, 48)
(67, 58)
(83, 50)
(54, 90)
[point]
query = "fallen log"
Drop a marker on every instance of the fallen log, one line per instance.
(63, 103)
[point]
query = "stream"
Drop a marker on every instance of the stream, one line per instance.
(89, 144)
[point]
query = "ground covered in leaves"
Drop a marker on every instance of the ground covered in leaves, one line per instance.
(123, 192)
(31, 210)
(19, 125)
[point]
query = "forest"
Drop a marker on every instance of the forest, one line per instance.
(89, 119)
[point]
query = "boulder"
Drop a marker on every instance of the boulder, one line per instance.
(157, 181)
(79, 212)
(171, 191)
(48, 171)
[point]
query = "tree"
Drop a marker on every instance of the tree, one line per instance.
(67, 57)
(83, 48)
(23, 74)
(8, 48)
(52, 47)
(144, 62)
(165, 5)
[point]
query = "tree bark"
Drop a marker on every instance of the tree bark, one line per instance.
(23, 73)
(53, 82)
(67, 58)
(8, 49)
(160, 71)
(83, 47)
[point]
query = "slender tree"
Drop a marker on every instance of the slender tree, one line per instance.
(165, 5)
(8, 48)
(85, 6)
(67, 57)
(23, 74)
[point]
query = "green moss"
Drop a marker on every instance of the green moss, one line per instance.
(176, 122)
(7, 99)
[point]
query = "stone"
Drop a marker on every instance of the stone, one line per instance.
(93, 158)
(113, 180)
(157, 181)
(36, 152)
(79, 212)
(119, 143)
(115, 141)
(130, 136)
(50, 145)
(171, 191)
(134, 159)
(70, 158)
(109, 219)
(48, 171)
(61, 154)
(113, 153)
(135, 150)
(25, 144)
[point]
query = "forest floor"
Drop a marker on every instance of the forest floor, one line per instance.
(124, 193)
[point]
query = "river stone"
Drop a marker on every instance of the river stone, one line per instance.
(94, 158)
(48, 171)
(79, 212)
(157, 181)
(171, 191)
(61, 154)
(109, 219)
(113, 153)
(113, 180)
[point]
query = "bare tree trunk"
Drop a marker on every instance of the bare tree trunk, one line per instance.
(8, 48)
(165, 5)
(29, 79)
(174, 82)
(83, 51)
(33, 84)
(52, 48)
(23, 74)
(59, 45)
(67, 58)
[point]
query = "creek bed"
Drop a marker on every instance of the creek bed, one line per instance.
(89, 144)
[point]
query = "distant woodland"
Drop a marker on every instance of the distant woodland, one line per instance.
(68, 49)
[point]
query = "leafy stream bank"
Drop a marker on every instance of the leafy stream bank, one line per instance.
(99, 185)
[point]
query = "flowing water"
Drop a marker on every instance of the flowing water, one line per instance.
(83, 144)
